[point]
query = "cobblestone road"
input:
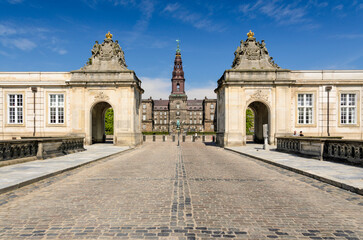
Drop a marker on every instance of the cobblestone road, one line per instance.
(193, 192)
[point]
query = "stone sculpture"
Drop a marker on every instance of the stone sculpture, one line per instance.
(253, 55)
(108, 55)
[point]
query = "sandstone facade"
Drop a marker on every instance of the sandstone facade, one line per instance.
(286, 100)
(48, 104)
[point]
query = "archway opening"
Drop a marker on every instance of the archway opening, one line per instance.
(260, 117)
(102, 123)
(250, 129)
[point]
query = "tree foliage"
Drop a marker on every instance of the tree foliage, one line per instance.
(249, 121)
(109, 121)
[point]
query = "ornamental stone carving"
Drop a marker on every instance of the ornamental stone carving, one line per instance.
(101, 96)
(259, 95)
(106, 56)
(253, 55)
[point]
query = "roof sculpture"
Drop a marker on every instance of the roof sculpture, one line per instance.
(252, 55)
(106, 56)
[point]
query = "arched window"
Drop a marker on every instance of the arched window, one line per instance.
(178, 86)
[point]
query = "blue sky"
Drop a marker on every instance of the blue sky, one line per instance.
(300, 35)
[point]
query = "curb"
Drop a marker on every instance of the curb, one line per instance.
(311, 175)
(37, 179)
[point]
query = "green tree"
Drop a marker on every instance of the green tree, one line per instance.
(109, 121)
(249, 121)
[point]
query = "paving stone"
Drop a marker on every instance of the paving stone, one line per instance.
(197, 191)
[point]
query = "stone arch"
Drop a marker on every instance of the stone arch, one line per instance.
(97, 111)
(262, 115)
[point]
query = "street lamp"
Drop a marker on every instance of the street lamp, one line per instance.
(178, 126)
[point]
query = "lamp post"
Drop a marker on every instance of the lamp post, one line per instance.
(34, 91)
(328, 89)
(178, 126)
(178, 129)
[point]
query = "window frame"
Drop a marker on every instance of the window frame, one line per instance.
(57, 108)
(48, 110)
(8, 107)
(313, 106)
(357, 108)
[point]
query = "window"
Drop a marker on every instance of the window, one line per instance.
(191, 121)
(177, 106)
(195, 121)
(165, 121)
(143, 117)
(144, 106)
(165, 113)
(212, 117)
(177, 113)
(195, 113)
(191, 113)
(305, 108)
(212, 127)
(15, 108)
(200, 121)
(178, 87)
(56, 108)
(161, 121)
(348, 108)
(161, 113)
(144, 127)
(155, 121)
(144, 110)
(200, 113)
(212, 106)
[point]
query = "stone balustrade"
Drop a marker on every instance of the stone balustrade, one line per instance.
(323, 148)
(349, 150)
(39, 148)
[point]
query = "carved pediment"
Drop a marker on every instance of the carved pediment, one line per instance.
(106, 56)
(253, 55)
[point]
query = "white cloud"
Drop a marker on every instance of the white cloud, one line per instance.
(338, 7)
(25, 37)
(60, 51)
(197, 20)
(6, 30)
(20, 43)
(23, 44)
(156, 87)
(200, 93)
(171, 7)
(283, 13)
(15, 1)
(161, 87)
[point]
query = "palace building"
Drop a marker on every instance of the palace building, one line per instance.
(316, 102)
(196, 115)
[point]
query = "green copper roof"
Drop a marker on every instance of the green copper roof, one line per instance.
(178, 48)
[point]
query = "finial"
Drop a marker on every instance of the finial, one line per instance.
(178, 48)
(250, 34)
(109, 35)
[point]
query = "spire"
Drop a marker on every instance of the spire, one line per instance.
(178, 73)
(178, 48)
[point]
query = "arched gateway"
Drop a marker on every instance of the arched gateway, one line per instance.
(316, 102)
(261, 117)
(74, 103)
(98, 112)
(104, 82)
